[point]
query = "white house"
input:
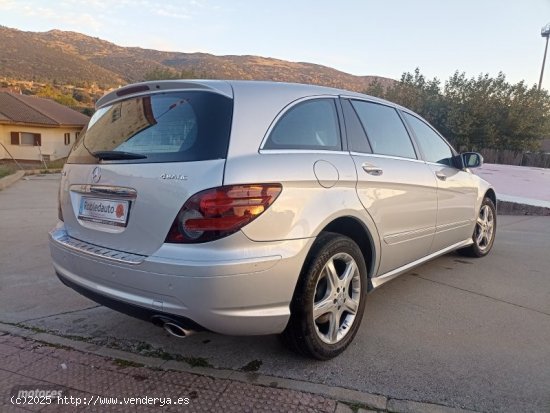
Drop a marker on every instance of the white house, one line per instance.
(33, 128)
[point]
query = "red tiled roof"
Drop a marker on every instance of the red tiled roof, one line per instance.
(16, 108)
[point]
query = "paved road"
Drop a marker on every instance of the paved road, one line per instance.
(459, 332)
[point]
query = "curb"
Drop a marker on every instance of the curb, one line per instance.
(42, 171)
(16, 176)
(340, 394)
(514, 208)
(11, 179)
(408, 406)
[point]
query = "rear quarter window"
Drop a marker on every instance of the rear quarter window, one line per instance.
(312, 124)
(165, 127)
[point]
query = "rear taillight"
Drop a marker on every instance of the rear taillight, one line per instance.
(218, 212)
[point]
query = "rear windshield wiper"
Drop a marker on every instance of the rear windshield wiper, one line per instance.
(117, 155)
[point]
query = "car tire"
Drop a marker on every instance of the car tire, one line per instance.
(484, 231)
(329, 300)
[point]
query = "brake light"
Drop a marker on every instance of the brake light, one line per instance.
(219, 212)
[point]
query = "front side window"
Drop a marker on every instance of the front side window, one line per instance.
(312, 124)
(433, 147)
(385, 130)
(164, 127)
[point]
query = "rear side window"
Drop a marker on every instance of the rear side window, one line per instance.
(434, 148)
(165, 127)
(385, 130)
(357, 139)
(312, 124)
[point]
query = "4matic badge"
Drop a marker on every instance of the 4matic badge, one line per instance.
(174, 176)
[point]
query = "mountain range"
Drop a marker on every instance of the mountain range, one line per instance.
(65, 57)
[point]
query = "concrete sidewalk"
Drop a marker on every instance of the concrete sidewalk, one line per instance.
(92, 383)
(522, 185)
(92, 379)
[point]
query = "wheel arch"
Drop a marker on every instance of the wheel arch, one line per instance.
(353, 228)
(491, 194)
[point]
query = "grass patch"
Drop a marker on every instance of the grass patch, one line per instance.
(126, 363)
(356, 406)
(147, 350)
(57, 164)
(31, 328)
(141, 347)
(8, 167)
(196, 361)
(6, 170)
(75, 338)
(59, 346)
(254, 365)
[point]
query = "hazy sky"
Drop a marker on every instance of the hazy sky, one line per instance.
(383, 37)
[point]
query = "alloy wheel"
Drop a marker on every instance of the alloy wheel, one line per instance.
(485, 226)
(337, 297)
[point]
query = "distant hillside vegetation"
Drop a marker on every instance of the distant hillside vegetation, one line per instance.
(73, 58)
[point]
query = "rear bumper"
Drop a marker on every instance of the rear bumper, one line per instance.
(146, 314)
(246, 293)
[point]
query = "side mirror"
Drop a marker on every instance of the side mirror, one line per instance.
(472, 159)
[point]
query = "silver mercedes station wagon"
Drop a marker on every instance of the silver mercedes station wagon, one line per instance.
(249, 208)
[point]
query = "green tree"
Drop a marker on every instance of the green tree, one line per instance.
(49, 92)
(417, 93)
(82, 96)
(376, 89)
(478, 112)
(87, 111)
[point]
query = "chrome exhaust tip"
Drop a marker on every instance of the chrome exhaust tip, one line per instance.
(176, 330)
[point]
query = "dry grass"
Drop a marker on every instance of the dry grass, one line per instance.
(57, 164)
(8, 167)
(6, 170)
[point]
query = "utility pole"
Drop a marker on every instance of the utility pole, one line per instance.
(545, 32)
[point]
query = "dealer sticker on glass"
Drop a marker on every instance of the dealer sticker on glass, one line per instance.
(104, 211)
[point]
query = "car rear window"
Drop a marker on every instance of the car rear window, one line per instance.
(165, 127)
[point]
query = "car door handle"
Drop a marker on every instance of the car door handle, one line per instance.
(441, 176)
(372, 169)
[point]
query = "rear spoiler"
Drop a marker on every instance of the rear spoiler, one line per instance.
(217, 86)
